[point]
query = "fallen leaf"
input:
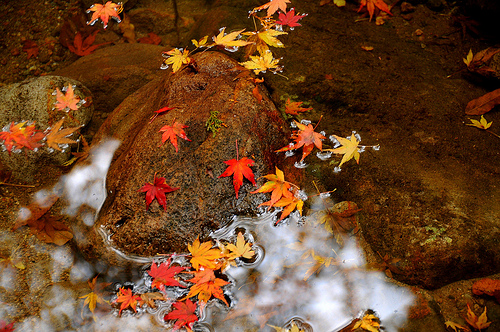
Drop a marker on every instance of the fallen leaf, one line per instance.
(4, 327)
(50, 230)
(241, 249)
(318, 263)
(68, 100)
(84, 46)
(262, 63)
(56, 136)
(481, 61)
(483, 124)
(367, 48)
(340, 219)
(104, 12)
(290, 19)
(478, 323)
(306, 138)
(469, 58)
(160, 112)
(157, 190)
(35, 210)
(207, 285)
(92, 298)
(372, 4)
(239, 168)
(369, 322)
(150, 298)
(289, 204)
(184, 313)
(81, 155)
(273, 6)
(349, 148)
(202, 254)
(163, 275)
(294, 328)
(229, 41)
(338, 3)
(294, 108)
(277, 186)
(31, 48)
(127, 29)
(171, 133)
(176, 57)
(200, 43)
(456, 327)
(19, 135)
(484, 103)
(127, 299)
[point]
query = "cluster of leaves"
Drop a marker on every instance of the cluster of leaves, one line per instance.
(200, 280)
(477, 323)
(16, 136)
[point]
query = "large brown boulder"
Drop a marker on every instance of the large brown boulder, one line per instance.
(204, 201)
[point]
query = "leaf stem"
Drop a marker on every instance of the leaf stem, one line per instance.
(493, 133)
(237, 155)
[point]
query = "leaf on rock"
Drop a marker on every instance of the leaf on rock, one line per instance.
(84, 46)
(203, 254)
(31, 48)
(127, 299)
(294, 108)
(19, 136)
(456, 327)
(171, 133)
(207, 285)
(482, 124)
(157, 190)
(67, 101)
(152, 38)
(239, 169)
(50, 230)
(56, 136)
(372, 4)
(104, 12)
(306, 138)
(484, 103)
(229, 41)
(163, 275)
(176, 57)
(184, 313)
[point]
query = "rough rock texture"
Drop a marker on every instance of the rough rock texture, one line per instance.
(204, 201)
(33, 100)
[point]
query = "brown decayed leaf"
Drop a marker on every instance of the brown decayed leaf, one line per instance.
(484, 103)
(150, 298)
(56, 136)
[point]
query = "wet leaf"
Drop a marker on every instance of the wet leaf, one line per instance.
(172, 132)
(203, 254)
(81, 155)
(67, 101)
(176, 57)
(273, 6)
(468, 60)
(456, 327)
(207, 285)
(50, 230)
(484, 103)
(200, 43)
(262, 63)
(4, 327)
(294, 328)
(349, 149)
(289, 204)
(31, 48)
(152, 38)
(56, 136)
(241, 249)
(84, 46)
(482, 124)
(290, 19)
(93, 298)
(150, 298)
(163, 275)
(19, 136)
(127, 299)
(229, 40)
(305, 138)
(478, 323)
(35, 210)
(184, 313)
(277, 186)
(157, 190)
(294, 108)
(369, 322)
(104, 13)
(372, 4)
(239, 168)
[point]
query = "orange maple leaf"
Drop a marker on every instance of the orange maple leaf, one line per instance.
(203, 254)
(104, 12)
(19, 136)
(273, 6)
(171, 132)
(372, 4)
(68, 101)
(290, 204)
(238, 169)
(184, 313)
(207, 285)
(293, 108)
(56, 136)
(478, 323)
(277, 184)
(305, 137)
(127, 299)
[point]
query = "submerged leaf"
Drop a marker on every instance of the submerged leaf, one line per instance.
(484, 103)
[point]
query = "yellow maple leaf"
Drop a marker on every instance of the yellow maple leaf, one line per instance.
(241, 249)
(200, 43)
(469, 58)
(294, 328)
(319, 262)
(229, 41)
(175, 57)
(349, 149)
(369, 322)
(483, 124)
(203, 254)
(456, 327)
(92, 298)
(262, 62)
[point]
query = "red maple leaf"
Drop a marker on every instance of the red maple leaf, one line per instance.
(157, 190)
(372, 4)
(31, 48)
(83, 47)
(163, 275)
(19, 136)
(290, 18)
(184, 313)
(127, 299)
(104, 12)
(239, 168)
(305, 137)
(160, 112)
(171, 132)
(4, 327)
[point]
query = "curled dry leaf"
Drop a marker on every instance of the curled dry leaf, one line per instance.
(484, 103)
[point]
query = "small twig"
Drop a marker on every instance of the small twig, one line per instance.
(493, 133)
(16, 185)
